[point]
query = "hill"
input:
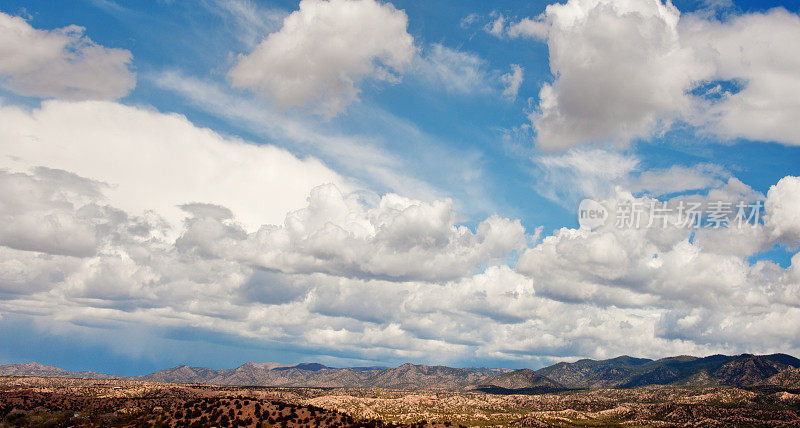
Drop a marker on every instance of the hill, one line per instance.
(42, 370)
(789, 378)
(588, 373)
(523, 381)
(626, 372)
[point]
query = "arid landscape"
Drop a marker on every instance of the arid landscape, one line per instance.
(744, 390)
(40, 402)
(33, 401)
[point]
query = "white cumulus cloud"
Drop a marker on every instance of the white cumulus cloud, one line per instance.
(324, 50)
(393, 280)
(156, 161)
(398, 239)
(61, 63)
(620, 70)
(628, 70)
(758, 51)
(783, 208)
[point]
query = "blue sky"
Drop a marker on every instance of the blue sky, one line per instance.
(449, 233)
(199, 43)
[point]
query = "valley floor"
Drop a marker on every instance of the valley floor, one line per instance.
(35, 401)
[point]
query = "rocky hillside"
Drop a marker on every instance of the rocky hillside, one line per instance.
(588, 373)
(789, 378)
(411, 376)
(626, 372)
(524, 380)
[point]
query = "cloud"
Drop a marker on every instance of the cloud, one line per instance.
(250, 21)
(132, 273)
(323, 51)
(370, 281)
(497, 25)
(757, 50)
(783, 205)
(468, 20)
(52, 211)
(647, 264)
(526, 27)
(458, 72)
(398, 239)
(606, 90)
(582, 173)
(24, 272)
(368, 158)
(156, 161)
(628, 70)
(452, 70)
(501, 26)
(118, 217)
(60, 63)
(679, 178)
(512, 82)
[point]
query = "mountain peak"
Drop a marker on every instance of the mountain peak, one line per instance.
(523, 379)
(31, 369)
(262, 366)
(313, 367)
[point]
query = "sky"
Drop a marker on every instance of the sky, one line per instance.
(362, 182)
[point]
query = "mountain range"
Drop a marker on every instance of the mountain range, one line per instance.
(746, 370)
(42, 370)
(407, 376)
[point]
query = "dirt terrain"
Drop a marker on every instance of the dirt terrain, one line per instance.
(56, 402)
(59, 402)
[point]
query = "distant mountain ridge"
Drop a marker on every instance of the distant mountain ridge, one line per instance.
(746, 370)
(42, 370)
(406, 376)
(626, 372)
